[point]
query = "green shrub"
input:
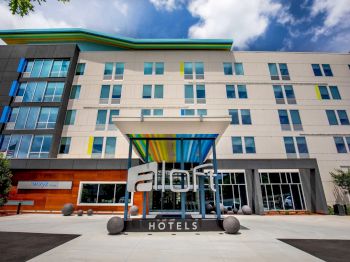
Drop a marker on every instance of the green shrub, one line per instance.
(330, 210)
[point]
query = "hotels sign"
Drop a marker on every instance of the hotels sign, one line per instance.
(143, 178)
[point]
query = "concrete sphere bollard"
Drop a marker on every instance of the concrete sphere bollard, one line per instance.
(212, 212)
(240, 212)
(134, 210)
(115, 225)
(89, 212)
(208, 208)
(222, 208)
(67, 209)
(230, 212)
(235, 210)
(231, 225)
(246, 210)
(80, 212)
(225, 210)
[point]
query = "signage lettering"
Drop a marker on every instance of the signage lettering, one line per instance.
(172, 225)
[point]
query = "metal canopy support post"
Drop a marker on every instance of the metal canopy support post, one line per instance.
(183, 194)
(144, 204)
(126, 197)
(201, 182)
(217, 195)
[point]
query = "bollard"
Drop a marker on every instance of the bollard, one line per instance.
(19, 208)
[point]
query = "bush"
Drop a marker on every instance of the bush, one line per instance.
(330, 210)
(5, 179)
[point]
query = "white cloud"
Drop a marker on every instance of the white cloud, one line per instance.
(168, 5)
(243, 21)
(337, 14)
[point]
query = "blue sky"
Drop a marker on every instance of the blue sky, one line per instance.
(286, 25)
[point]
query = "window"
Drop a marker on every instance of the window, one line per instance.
(245, 116)
(202, 112)
(200, 92)
(116, 94)
(46, 68)
(53, 92)
(335, 92)
(47, 118)
(342, 116)
(159, 68)
(242, 91)
(281, 190)
(101, 119)
(16, 146)
(148, 68)
(119, 71)
(152, 112)
(112, 113)
(102, 193)
(230, 91)
(228, 68)
(147, 91)
(97, 147)
(327, 71)
(70, 117)
(41, 146)
(325, 94)
(158, 91)
(301, 146)
(64, 145)
(187, 112)
(239, 69)
(104, 94)
(234, 116)
(110, 146)
(80, 69)
(282, 92)
(340, 144)
(295, 119)
(40, 92)
(75, 92)
(198, 68)
(157, 112)
(283, 69)
(108, 71)
(317, 69)
(249, 145)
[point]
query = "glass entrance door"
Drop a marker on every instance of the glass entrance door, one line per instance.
(165, 201)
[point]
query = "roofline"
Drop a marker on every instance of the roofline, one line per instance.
(69, 35)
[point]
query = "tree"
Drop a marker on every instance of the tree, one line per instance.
(5, 179)
(341, 178)
(23, 7)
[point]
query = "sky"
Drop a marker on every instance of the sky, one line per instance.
(278, 25)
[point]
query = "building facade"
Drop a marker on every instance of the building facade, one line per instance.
(64, 94)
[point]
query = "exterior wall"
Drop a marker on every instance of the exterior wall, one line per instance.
(265, 127)
(53, 200)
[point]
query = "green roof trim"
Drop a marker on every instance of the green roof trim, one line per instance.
(76, 35)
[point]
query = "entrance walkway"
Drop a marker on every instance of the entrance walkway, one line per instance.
(259, 243)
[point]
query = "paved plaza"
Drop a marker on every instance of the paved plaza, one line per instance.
(260, 242)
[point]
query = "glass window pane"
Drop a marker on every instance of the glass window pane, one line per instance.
(277, 89)
(110, 146)
(104, 92)
(147, 91)
(158, 112)
(228, 68)
(273, 69)
(36, 68)
(283, 116)
(75, 93)
(246, 119)
(70, 117)
(327, 70)
(332, 118)
(108, 69)
(189, 91)
(145, 112)
(106, 193)
(289, 92)
(289, 145)
(230, 91)
(101, 117)
(120, 193)
(302, 146)
(188, 69)
(284, 69)
(242, 91)
(39, 92)
(237, 145)
(45, 71)
(199, 68)
(29, 93)
(324, 92)
(117, 91)
(64, 68)
(158, 91)
(21, 89)
(234, 116)
(202, 112)
(200, 91)
(89, 193)
(55, 72)
(239, 69)
(340, 145)
(148, 68)
(187, 112)
(343, 117)
(113, 113)
(24, 147)
(335, 92)
(119, 68)
(317, 70)
(32, 117)
(97, 145)
(22, 117)
(294, 114)
(159, 68)
(249, 145)
(13, 146)
(29, 66)
(64, 145)
(80, 69)
(348, 141)
(46, 144)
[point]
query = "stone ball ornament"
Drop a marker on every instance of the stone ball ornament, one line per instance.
(90, 212)
(246, 210)
(235, 210)
(208, 208)
(67, 209)
(80, 212)
(134, 210)
(115, 225)
(231, 225)
(240, 212)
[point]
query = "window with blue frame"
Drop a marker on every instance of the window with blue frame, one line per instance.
(53, 93)
(242, 91)
(64, 145)
(234, 116)
(75, 92)
(80, 70)
(70, 117)
(335, 92)
(237, 146)
(119, 70)
(249, 145)
(327, 70)
(159, 68)
(228, 68)
(47, 118)
(230, 91)
(316, 69)
(148, 68)
(239, 69)
(343, 117)
(332, 118)
(40, 92)
(340, 144)
(110, 146)
(40, 147)
(46, 68)
(289, 145)
(97, 146)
